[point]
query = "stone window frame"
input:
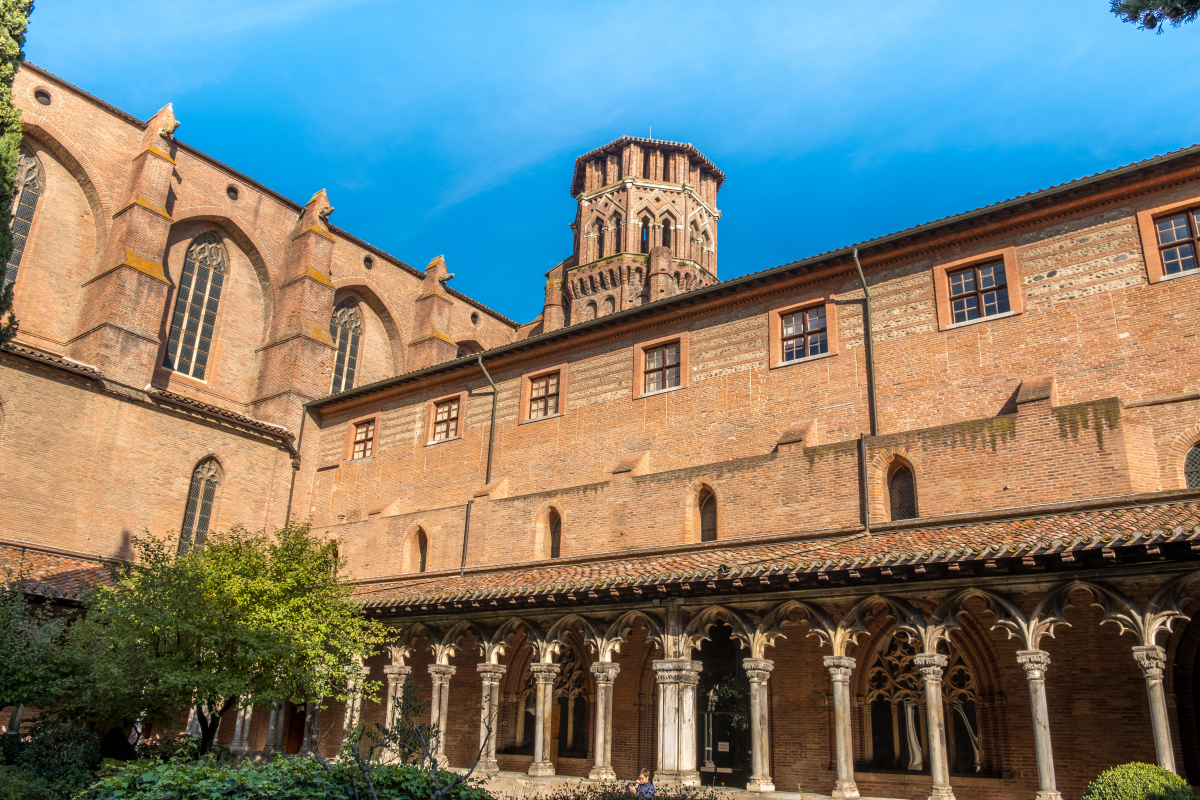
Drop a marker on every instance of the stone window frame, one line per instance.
(527, 389)
(217, 345)
(778, 311)
(351, 428)
(941, 287)
(193, 506)
(639, 363)
(1151, 255)
(431, 416)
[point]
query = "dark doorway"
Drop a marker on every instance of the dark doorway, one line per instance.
(293, 732)
(723, 716)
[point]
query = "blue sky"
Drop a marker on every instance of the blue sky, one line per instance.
(452, 127)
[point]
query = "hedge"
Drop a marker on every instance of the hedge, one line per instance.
(1138, 782)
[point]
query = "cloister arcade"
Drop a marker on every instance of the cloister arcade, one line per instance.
(912, 685)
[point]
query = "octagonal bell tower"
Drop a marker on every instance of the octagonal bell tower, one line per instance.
(645, 228)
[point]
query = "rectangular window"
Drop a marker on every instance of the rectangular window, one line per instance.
(980, 291)
(445, 421)
(1177, 242)
(543, 396)
(364, 439)
(805, 334)
(662, 368)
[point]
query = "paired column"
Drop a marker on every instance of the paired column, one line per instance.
(489, 675)
(932, 665)
(439, 709)
(274, 741)
(241, 732)
(543, 678)
(605, 673)
(758, 670)
(1035, 663)
(840, 668)
(1152, 659)
(397, 674)
(677, 679)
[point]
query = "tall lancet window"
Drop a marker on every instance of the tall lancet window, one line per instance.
(28, 189)
(196, 304)
(345, 328)
(202, 496)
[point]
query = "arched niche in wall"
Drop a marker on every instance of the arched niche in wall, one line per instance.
(379, 353)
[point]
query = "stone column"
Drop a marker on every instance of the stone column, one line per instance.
(241, 732)
(396, 675)
(1035, 663)
(677, 679)
(312, 729)
(543, 677)
(1152, 660)
(605, 673)
(274, 733)
(439, 709)
(489, 675)
(14, 720)
(840, 668)
(758, 670)
(931, 666)
(358, 674)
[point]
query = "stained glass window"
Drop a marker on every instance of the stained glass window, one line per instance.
(345, 328)
(196, 304)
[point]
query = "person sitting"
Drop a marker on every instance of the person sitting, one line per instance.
(643, 787)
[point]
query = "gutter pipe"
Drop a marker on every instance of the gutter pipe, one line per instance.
(296, 462)
(462, 568)
(872, 407)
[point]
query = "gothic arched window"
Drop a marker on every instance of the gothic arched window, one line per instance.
(616, 234)
(196, 304)
(1191, 467)
(902, 493)
(202, 496)
(645, 234)
(668, 225)
(895, 726)
(708, 515)
(555, 525)
(345, 328)
(419, 552)
(26, 192)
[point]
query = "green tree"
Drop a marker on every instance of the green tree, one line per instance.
(1154, 14)
(14, 19)
(248, 619)
(29, 636)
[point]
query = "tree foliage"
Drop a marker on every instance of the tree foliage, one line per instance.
(249, 619)
(14, 19)
(29, 637)
(1137, 781)
(1154, 14)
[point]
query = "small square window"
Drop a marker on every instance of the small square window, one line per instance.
(364, 439)
(662, 368)
(445, 421)
(980, 291)
(1177, 242)
(543, 396)
(805, 334)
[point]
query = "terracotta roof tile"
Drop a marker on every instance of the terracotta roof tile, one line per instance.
(1030, 536)
(64, 363)
(53, 575)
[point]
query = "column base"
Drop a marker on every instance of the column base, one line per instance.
(760, 783)
(845, 789)
(602, 774)
(689, 778)
(268, 751)
(307, 750)
(1050, 795)
(941, 793)
(541, 769)
(488, 766)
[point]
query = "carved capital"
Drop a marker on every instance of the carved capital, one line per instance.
(758, 670)
(490, 674)
(931, 665)
(441, 673)
(396, 674)
(1152, 659)
(1034, 662)
(677, 670)
(605, 672)
(545, 673)
(840, 668)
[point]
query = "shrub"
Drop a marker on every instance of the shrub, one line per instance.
(1138, 782)
(619, 790)
(52, 764)
(281, 779)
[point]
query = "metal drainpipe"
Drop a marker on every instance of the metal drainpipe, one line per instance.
(462, 567)
(872, 407)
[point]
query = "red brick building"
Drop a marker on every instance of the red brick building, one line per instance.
(816, 526)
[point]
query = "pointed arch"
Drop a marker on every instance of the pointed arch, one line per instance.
(203, 497)
(79, 165)
(27, 190)
(893, 485)
(645, 235)
(346, 329)
(415, 556)
(616, 233)
(701, 520)
(548, 532)
(197, 303)
(668, 232)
